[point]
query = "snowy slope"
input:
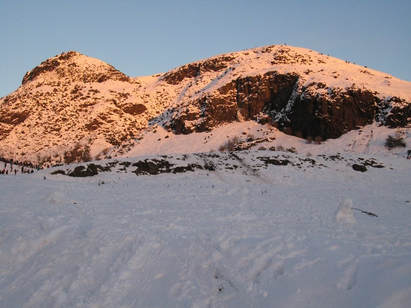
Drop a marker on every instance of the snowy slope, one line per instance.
(311, 65)
(72, 102)
(367, 140)
(267, 236)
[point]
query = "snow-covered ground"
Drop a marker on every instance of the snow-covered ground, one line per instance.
(268, 236)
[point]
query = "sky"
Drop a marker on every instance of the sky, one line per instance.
(147, 37)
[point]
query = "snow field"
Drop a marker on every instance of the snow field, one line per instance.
(207, 239)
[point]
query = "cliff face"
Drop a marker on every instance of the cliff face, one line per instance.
(305, 111)
(245, 98)
(72, 103)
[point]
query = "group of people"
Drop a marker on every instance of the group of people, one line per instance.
(11, 167)
(14, 170)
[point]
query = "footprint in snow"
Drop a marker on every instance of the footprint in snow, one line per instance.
(349, 278)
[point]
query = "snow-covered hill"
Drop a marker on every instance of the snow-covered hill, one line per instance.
(258, 178)
(73, 107)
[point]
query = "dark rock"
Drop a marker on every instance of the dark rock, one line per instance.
(360, 168)
(268, 93)
(46, 66)
(244, 97)
(210, 166)
(14, 117)
(274, 161)
(67, 55)
(189, 167)
(125, 164)
(298, 111)
(81, 171)
(400, 114)
(310, 160)
(106, 168)
(331, 116)
(395, 142)
(90, 170)
(155, 167)
(194, 69)
(152, 167)
(373, 163)
(134, 109)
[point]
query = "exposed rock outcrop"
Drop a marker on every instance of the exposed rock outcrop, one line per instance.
(195, 69)
(303, 111)
(329, 115)
(67, 65)
(241, 99)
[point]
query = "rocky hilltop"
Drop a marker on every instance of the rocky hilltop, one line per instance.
(72, 107)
